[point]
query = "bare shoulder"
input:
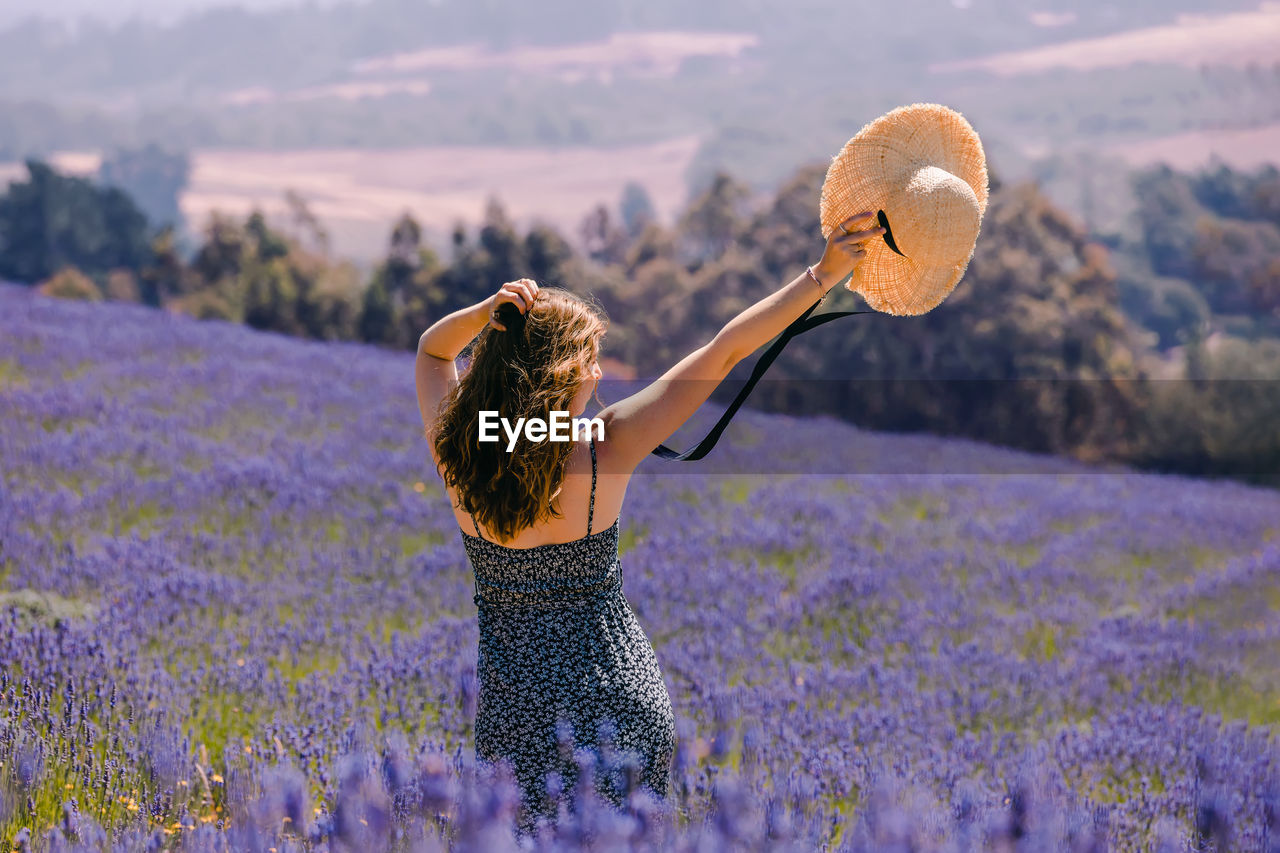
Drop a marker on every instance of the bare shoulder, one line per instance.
(634, 426)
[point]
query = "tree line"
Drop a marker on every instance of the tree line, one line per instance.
(1037, 348)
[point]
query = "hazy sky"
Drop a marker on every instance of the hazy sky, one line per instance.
(116, 11)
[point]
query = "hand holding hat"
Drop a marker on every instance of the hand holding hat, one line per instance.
(901, 207)
(922, 170)
(847, 246)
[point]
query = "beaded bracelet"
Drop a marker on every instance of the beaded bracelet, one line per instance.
(809, 270)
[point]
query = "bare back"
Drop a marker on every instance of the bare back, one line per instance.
(573, 502)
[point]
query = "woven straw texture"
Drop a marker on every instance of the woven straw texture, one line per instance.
(870, 172)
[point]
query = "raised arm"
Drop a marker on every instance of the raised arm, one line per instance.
(434, 371)
(635, 426)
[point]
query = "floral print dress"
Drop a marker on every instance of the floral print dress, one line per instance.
(559, 642)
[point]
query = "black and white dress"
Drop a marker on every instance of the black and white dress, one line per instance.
(558, 640)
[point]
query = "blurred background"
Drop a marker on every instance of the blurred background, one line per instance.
(352, 170)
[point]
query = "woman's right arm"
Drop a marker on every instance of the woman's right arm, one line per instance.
(635, 426)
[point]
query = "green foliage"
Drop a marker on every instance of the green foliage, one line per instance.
(122, 286)
(1219, 422)
(51, 221)
(376, 314)
(1169, 211)
(70, 283)
(1236, 264)
(207, 305)
(715, 219)
(636, 208)
(252, 274)
(1239, 195)
(413, 288)
(165, 275)
(1218, 230)
(602, 240)
(1170, 307)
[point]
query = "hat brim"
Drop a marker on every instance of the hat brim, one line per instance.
(896, 285)
(863, 174)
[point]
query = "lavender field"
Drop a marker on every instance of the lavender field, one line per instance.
(235, 614)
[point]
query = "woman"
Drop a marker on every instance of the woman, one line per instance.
(560, 650)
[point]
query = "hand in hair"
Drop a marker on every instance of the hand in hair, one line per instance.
(519, 293)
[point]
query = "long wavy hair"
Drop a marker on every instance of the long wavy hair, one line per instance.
(537, 365)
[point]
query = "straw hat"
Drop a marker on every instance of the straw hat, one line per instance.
(922, 170)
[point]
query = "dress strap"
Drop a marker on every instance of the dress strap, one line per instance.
(474, 580)
(591, 511)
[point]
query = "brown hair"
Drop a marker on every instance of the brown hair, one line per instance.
(537, 365)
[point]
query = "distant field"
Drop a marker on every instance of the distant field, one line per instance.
(1244, 148)
(645, 53)
(1240, 148)
(1233, 39)
(358, 193)
(631, 54)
